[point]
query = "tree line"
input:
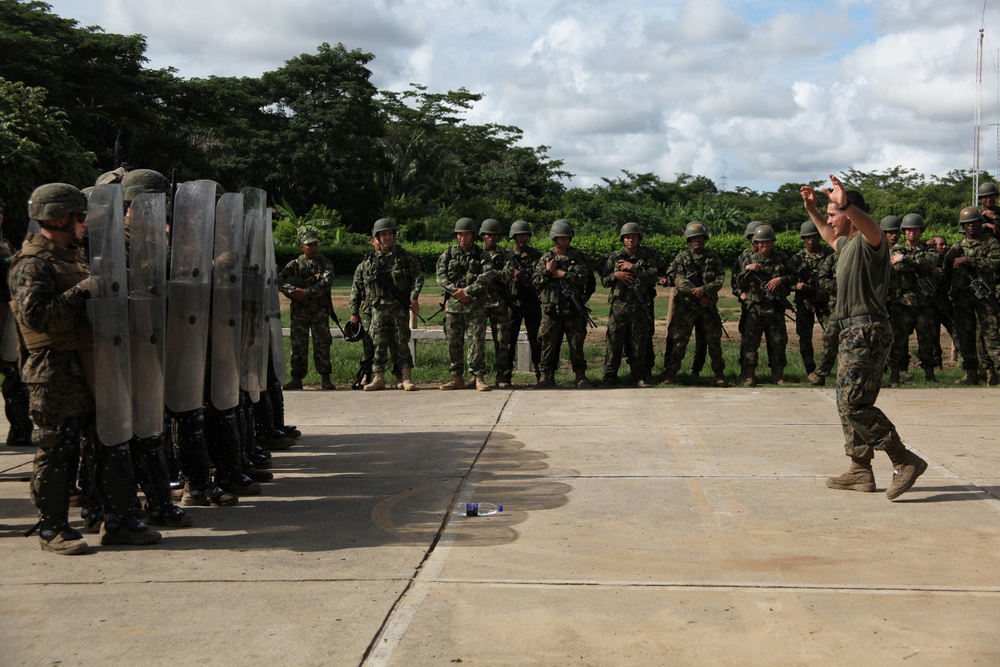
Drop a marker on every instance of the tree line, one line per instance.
(336, 153)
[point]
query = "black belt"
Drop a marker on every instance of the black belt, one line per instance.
(860, 319)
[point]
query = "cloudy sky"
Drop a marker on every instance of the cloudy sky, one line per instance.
(747, 92)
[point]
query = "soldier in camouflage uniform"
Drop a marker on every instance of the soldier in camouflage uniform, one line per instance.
(742, 260)
(465, 273)
(811, 303)
(698, 276)
(911, 261)
(988, 193)
(561, 276)
(359, 304)
(831, 332)
(765, 279)
(630, 274)
(15, 392)
(392, 279)
(50, 283)
(498, 313)
(525, 295)
(306, 281)
(865, 339)
(976, 256)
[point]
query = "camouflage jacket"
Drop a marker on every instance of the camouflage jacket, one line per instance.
(689, 271)
(807, 267)
(312, 275)
(645, 270)
(741, 261)
(396, 266)
(504, 276)
(828, 279)
(577, 269)
(919, 262)
(775, 266)
(471, 270)
(983, 262)
(525, 290)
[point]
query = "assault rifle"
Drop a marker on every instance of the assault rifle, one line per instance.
(941, 302)
(570, 293)
(698, 280)
(385, 280)
(306, 283)
(445, 296)
(981, 290)
(527, 279)
(772, 296)
(636, 288)
(808, 295)
(364, 373)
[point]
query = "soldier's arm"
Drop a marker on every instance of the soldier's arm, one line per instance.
(357, 291)
(607, 271)
(37, 302)
(442, 274)
(416, 275)
(486, 276)
(718, 269)
(989, 260)
(504, 268)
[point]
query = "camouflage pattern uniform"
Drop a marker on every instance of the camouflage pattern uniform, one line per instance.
(809, 302)
(831, 333)
(765, 314)
(473, 271)
(972, 317)
(390, 317)
(912, 310)
(498, 314)
(529, 310)
(311, 314)
(15, 392)
(629, 316)
(690, 270)
(559, 317)
(360, 305)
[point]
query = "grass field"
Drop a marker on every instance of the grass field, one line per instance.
(432, 356)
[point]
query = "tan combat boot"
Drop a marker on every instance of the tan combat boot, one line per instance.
(457, 382)
(377, 383)
(906, 468)
(817, 380)
(481, 383)
(859, 477)
(408, 380)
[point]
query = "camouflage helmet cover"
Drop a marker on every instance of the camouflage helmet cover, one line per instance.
(519, 227)
(465, 225)
(630, 228)
(141, 181)
(113, 176)
(807, 229)
(912, 221)
(55, 201)
(490, 226)
(561, 227)
(307, 235)
(693, 229)
(763, 233)
(890, 223)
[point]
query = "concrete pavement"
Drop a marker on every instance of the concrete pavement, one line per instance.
(660, 526)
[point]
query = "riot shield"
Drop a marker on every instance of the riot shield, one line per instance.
(148, 310)
(108, 311)
(227, 283)
(255, 341)
(274, 311)
(189, 290)
(9, 346)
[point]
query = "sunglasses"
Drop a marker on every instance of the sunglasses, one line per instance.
(79, 216)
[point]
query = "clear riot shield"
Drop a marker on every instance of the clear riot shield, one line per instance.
(256, 335)
(189, 289)
(227, 287)
(274, 304)
(108, 311)
(9, 345)
(148, 310)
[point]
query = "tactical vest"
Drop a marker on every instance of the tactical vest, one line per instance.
(68, 269)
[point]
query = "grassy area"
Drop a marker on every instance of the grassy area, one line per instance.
(432, 356)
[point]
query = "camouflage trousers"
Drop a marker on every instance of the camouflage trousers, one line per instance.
(458, 325)
(303, 322)
(688, 316)
(864, 349)
(555, 324)
(390, 330)
(628, 327)
(906, 320)
(972, 319)
(498, 319)
(770, 321)
(828, 353)
(805, 320)
(531, 315)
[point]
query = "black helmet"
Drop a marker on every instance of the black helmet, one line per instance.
(912, 221)
(519, 227)
(891, 223)
(353, 331)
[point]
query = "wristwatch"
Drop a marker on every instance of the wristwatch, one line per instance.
(844, 207)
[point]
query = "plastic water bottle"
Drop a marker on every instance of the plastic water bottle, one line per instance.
(477, 509)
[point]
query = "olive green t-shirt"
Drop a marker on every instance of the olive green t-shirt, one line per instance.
(862, 278)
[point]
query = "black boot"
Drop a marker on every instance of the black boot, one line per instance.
(155, 484)
(115, 481)
(199, 489)
(225, 450)
(15, 395)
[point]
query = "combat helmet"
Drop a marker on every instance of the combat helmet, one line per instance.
(519, 227)
(890, 223)
(141, 181)
(970, 214)
(693, 229)
(110, 177)
(465, 225)
(561, 227)
(630, 228)
(987, 189)
(752, 227)
(808, 229)
(763, 233)
(912, 221)
(353, 331)
(382, 225)
(55, 201)
(490, 226)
